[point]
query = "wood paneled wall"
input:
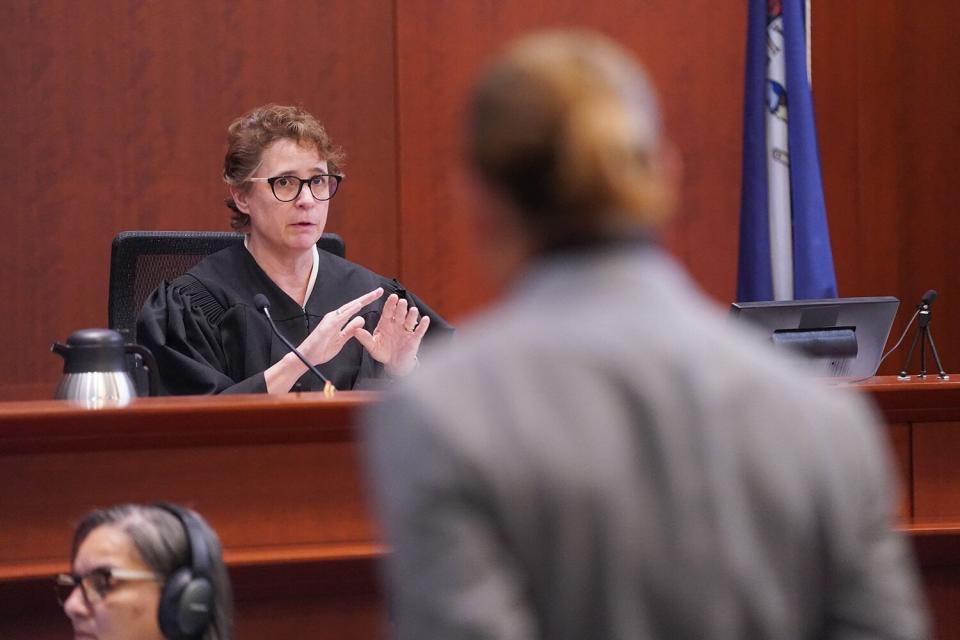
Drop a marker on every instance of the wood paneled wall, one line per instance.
(115, 111)
(884, 80)
(694, 54)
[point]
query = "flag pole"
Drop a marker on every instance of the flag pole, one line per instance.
(807, 19)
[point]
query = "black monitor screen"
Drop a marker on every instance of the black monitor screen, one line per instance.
(843, 337)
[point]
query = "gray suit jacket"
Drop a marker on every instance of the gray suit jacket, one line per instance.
(605, 456)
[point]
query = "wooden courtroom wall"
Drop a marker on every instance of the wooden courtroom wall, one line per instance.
(885, 83)
(694, 53)
(114, 114)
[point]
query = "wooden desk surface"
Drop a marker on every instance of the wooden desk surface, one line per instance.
(914, 400)
(195, 421)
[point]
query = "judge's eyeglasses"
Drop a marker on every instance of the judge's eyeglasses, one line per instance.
(97, 583)
(323, 186)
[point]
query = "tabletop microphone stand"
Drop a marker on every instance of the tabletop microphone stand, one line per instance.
(923, 336)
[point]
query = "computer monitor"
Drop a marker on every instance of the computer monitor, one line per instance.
(842, 337)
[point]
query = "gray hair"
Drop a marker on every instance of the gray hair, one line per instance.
(160, 539)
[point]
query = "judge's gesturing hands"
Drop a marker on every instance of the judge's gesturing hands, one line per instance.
(336, 328)
(394, 342)
(397, 338)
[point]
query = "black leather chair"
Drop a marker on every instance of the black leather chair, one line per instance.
(141, 260)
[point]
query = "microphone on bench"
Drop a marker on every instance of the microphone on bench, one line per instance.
(263, 305)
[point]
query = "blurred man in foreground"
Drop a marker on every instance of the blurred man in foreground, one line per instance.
(603, 455)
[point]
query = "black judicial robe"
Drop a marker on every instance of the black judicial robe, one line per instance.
(208, 337)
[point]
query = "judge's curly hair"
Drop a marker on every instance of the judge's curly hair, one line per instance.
(251, 133)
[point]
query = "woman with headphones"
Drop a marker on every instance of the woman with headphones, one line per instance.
(146, 573)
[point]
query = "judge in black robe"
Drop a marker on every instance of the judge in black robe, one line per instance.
(208, 337)
(282, 169)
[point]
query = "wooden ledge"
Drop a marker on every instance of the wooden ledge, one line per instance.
(185, 421)
(914, 400)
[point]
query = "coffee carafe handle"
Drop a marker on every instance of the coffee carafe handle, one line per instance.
(149, 363)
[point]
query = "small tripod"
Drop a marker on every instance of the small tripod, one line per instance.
(923, 336)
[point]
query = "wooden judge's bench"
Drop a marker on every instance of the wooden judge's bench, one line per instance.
(278, 477)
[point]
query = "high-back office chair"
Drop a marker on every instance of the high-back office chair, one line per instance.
(141, 260)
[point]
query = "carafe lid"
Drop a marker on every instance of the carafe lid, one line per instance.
(93, 350)
(95, 338)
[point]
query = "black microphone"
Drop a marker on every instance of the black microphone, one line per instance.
(928, 298)
(262, 304)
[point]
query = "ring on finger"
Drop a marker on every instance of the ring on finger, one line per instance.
(338, 312)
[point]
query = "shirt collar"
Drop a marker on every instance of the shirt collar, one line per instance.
(311, 281)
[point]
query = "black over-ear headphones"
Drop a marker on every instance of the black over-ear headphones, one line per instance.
(187, 601)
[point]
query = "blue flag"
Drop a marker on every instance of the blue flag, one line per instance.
(784, 240)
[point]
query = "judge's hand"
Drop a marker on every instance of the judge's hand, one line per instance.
(396, 340)
(336, 328)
